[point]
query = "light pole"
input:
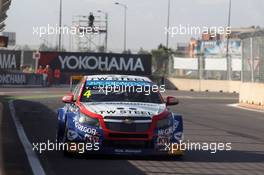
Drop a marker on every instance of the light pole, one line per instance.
(106, 26)
(125, 11)
(60, 24)
(228, 58)
(168, 25)
(167, 36)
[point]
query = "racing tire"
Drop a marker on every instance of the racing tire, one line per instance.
(66, 153)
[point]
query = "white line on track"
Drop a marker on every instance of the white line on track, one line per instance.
(31, 155)
(244, 108)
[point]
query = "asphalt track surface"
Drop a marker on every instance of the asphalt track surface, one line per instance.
(207, 118)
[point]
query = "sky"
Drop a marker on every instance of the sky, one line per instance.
(146, 19)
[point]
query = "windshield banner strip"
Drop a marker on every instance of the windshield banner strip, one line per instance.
(116, 83)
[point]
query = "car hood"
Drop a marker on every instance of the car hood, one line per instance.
(124, 108)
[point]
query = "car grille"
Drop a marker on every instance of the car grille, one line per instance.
(124, 127)
(134, 136)
(128, 144)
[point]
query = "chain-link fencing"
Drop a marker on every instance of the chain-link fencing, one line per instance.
(253, 57)
(204, 68)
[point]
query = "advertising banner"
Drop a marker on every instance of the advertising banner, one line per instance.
(185, 63)
(218, 48)
(97, 63)
(8, 78)
(215, 64)
(10, 60)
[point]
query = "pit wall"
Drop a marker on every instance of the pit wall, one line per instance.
(249, 93)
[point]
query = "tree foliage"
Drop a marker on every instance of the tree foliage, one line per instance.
(160, 59)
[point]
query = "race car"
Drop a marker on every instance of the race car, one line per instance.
(119, 114)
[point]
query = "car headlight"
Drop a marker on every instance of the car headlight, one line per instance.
(85, 119)
(163, 123)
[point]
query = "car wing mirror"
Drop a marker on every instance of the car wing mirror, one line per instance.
(69, 98)
(171, 101)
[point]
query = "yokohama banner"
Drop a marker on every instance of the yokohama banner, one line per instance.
(97, 63)
(10, 78)
(9, 59)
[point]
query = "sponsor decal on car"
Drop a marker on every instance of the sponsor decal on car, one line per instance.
(125, 108)
(168, 131)
(86, 129)
(128, 150)
(123, 112)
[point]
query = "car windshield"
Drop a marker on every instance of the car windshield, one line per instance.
(135, 93)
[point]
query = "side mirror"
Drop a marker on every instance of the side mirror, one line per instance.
(68, 98)
(171, 101)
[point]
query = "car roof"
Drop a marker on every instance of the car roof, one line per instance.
(117, 77)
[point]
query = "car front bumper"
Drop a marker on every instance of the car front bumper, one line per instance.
(163, 141)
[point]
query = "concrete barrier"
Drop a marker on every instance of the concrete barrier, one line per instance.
(252, 93)
(249, 93)
(206, 85)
